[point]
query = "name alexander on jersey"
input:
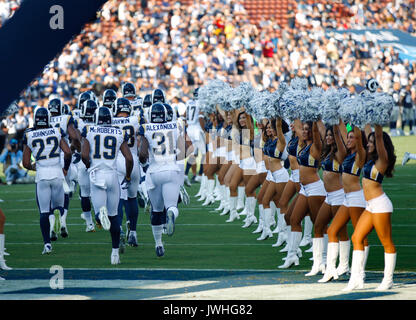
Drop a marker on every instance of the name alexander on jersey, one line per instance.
(155, 127)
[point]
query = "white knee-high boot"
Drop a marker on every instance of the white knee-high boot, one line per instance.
(331, 261)
(251, 218)
(292, 257)
(325, 248)
(272, 215)
(217, 190)
(389, 266)
(356, 279)
(279, 221)
(233, 210)
(266, 232)
(261, 218)
(318, 263)
(246, 205)
(227, 205)
(2, 261)
(344, 257)
(202, 189)
(222, 197)
(210, 192)
(366, 251)
(240, 195)
(307, 232)
(283, 235)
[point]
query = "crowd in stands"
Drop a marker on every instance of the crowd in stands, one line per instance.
(178, 47)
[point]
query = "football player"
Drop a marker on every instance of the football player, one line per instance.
(109, 96)
(86, 118)
(45, 143)
(130, 125)
(158, 146)
(147, 102)
(172, 116)
(158, 96)
(100, 149)
(129, 92)
(81, 99)
(66, 122)
(193, 116)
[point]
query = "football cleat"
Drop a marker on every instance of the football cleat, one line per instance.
(170, 222)
(54, 236)
(122, 243)
(184, 195)
(90, 228)
(132, 240)
(64, 232)
(140, 201)
(115, 258)
(160, 251)
(128, 228)
(405, 158)
(103, 215)
(47, 249)
(187, 182)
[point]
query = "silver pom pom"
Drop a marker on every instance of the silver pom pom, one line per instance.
(312, 110)
(241, 95)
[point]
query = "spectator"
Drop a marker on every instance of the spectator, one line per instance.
(11, 158)
(408, 112)
(177, 47)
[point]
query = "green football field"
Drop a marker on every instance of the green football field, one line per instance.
(202, 239)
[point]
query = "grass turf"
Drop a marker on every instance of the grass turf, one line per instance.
(202, 239)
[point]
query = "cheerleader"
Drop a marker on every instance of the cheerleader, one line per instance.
(267, 139)
(243, 137)
(224, 160)
(233, 160)
(380, 162)
(351, 208)
(207, 124)
(312, 193)
(333, 154)
(213, 164)
(255, 180)
(276, 152)
(291, 187)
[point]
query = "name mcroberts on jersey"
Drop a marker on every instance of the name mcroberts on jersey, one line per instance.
(108, 130)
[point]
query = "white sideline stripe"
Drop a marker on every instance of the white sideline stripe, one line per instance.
(176, 269)
(139, 224)
(179, 244)
(187, 208)
(177, 224)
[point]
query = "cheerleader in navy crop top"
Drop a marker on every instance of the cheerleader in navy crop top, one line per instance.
(349, 165)
(370, 172)
(305, 159)
(377, 214)
(293, 146)
(270, 149)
